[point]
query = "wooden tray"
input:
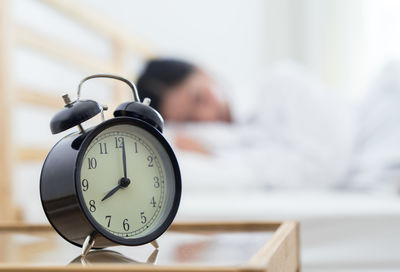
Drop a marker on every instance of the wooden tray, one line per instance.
(205, 246)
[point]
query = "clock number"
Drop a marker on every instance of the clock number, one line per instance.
(125, 224)
(119, 142)
(108, 217)
(144, 219)
(150, 160)
(92, 163)
(92, 207)
(136, 147)
(85, 185)
(103, 148)
(156, 182)
(153, 202)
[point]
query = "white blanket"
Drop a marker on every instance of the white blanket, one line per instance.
(290, 132)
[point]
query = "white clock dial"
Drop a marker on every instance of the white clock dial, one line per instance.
(126, 182)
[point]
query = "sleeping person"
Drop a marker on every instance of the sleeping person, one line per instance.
(284, 130)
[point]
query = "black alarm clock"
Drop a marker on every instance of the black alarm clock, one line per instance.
(117, 183)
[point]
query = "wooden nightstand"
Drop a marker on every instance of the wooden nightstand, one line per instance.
(194, 246)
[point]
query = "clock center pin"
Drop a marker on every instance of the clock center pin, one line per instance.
(124, 182)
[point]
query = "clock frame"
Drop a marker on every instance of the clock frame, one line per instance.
(61, 193)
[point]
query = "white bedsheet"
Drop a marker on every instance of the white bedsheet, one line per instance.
(340, 231)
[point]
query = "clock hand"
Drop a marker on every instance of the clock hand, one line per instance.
(110, 193)
(124, 158)
(122, 183)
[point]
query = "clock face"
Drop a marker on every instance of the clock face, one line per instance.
(127, 182)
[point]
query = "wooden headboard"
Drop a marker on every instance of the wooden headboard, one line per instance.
(11, 93)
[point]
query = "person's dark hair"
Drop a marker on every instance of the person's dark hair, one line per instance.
(159, 76)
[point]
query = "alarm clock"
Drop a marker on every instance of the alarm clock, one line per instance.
(117, 183)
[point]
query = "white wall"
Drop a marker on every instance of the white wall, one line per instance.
(326, 36)
(227, 36)
(343, 42)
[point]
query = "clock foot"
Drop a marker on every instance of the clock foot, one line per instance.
(153, 257)
(87, 245)
(155, 244)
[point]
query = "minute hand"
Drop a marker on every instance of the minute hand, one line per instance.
(124, 158)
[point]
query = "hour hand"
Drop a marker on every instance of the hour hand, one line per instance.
(110, 193)
(122, 183)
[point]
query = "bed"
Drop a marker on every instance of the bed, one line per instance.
(350, 223)
(340, 231)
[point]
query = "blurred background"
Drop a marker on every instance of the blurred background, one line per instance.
(47, 47)
(343, 42)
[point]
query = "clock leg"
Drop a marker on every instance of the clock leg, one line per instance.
(87, 245)
(155, 244)
(153, 257)
(83, 261)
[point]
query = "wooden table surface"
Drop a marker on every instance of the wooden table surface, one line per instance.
(206, 246)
